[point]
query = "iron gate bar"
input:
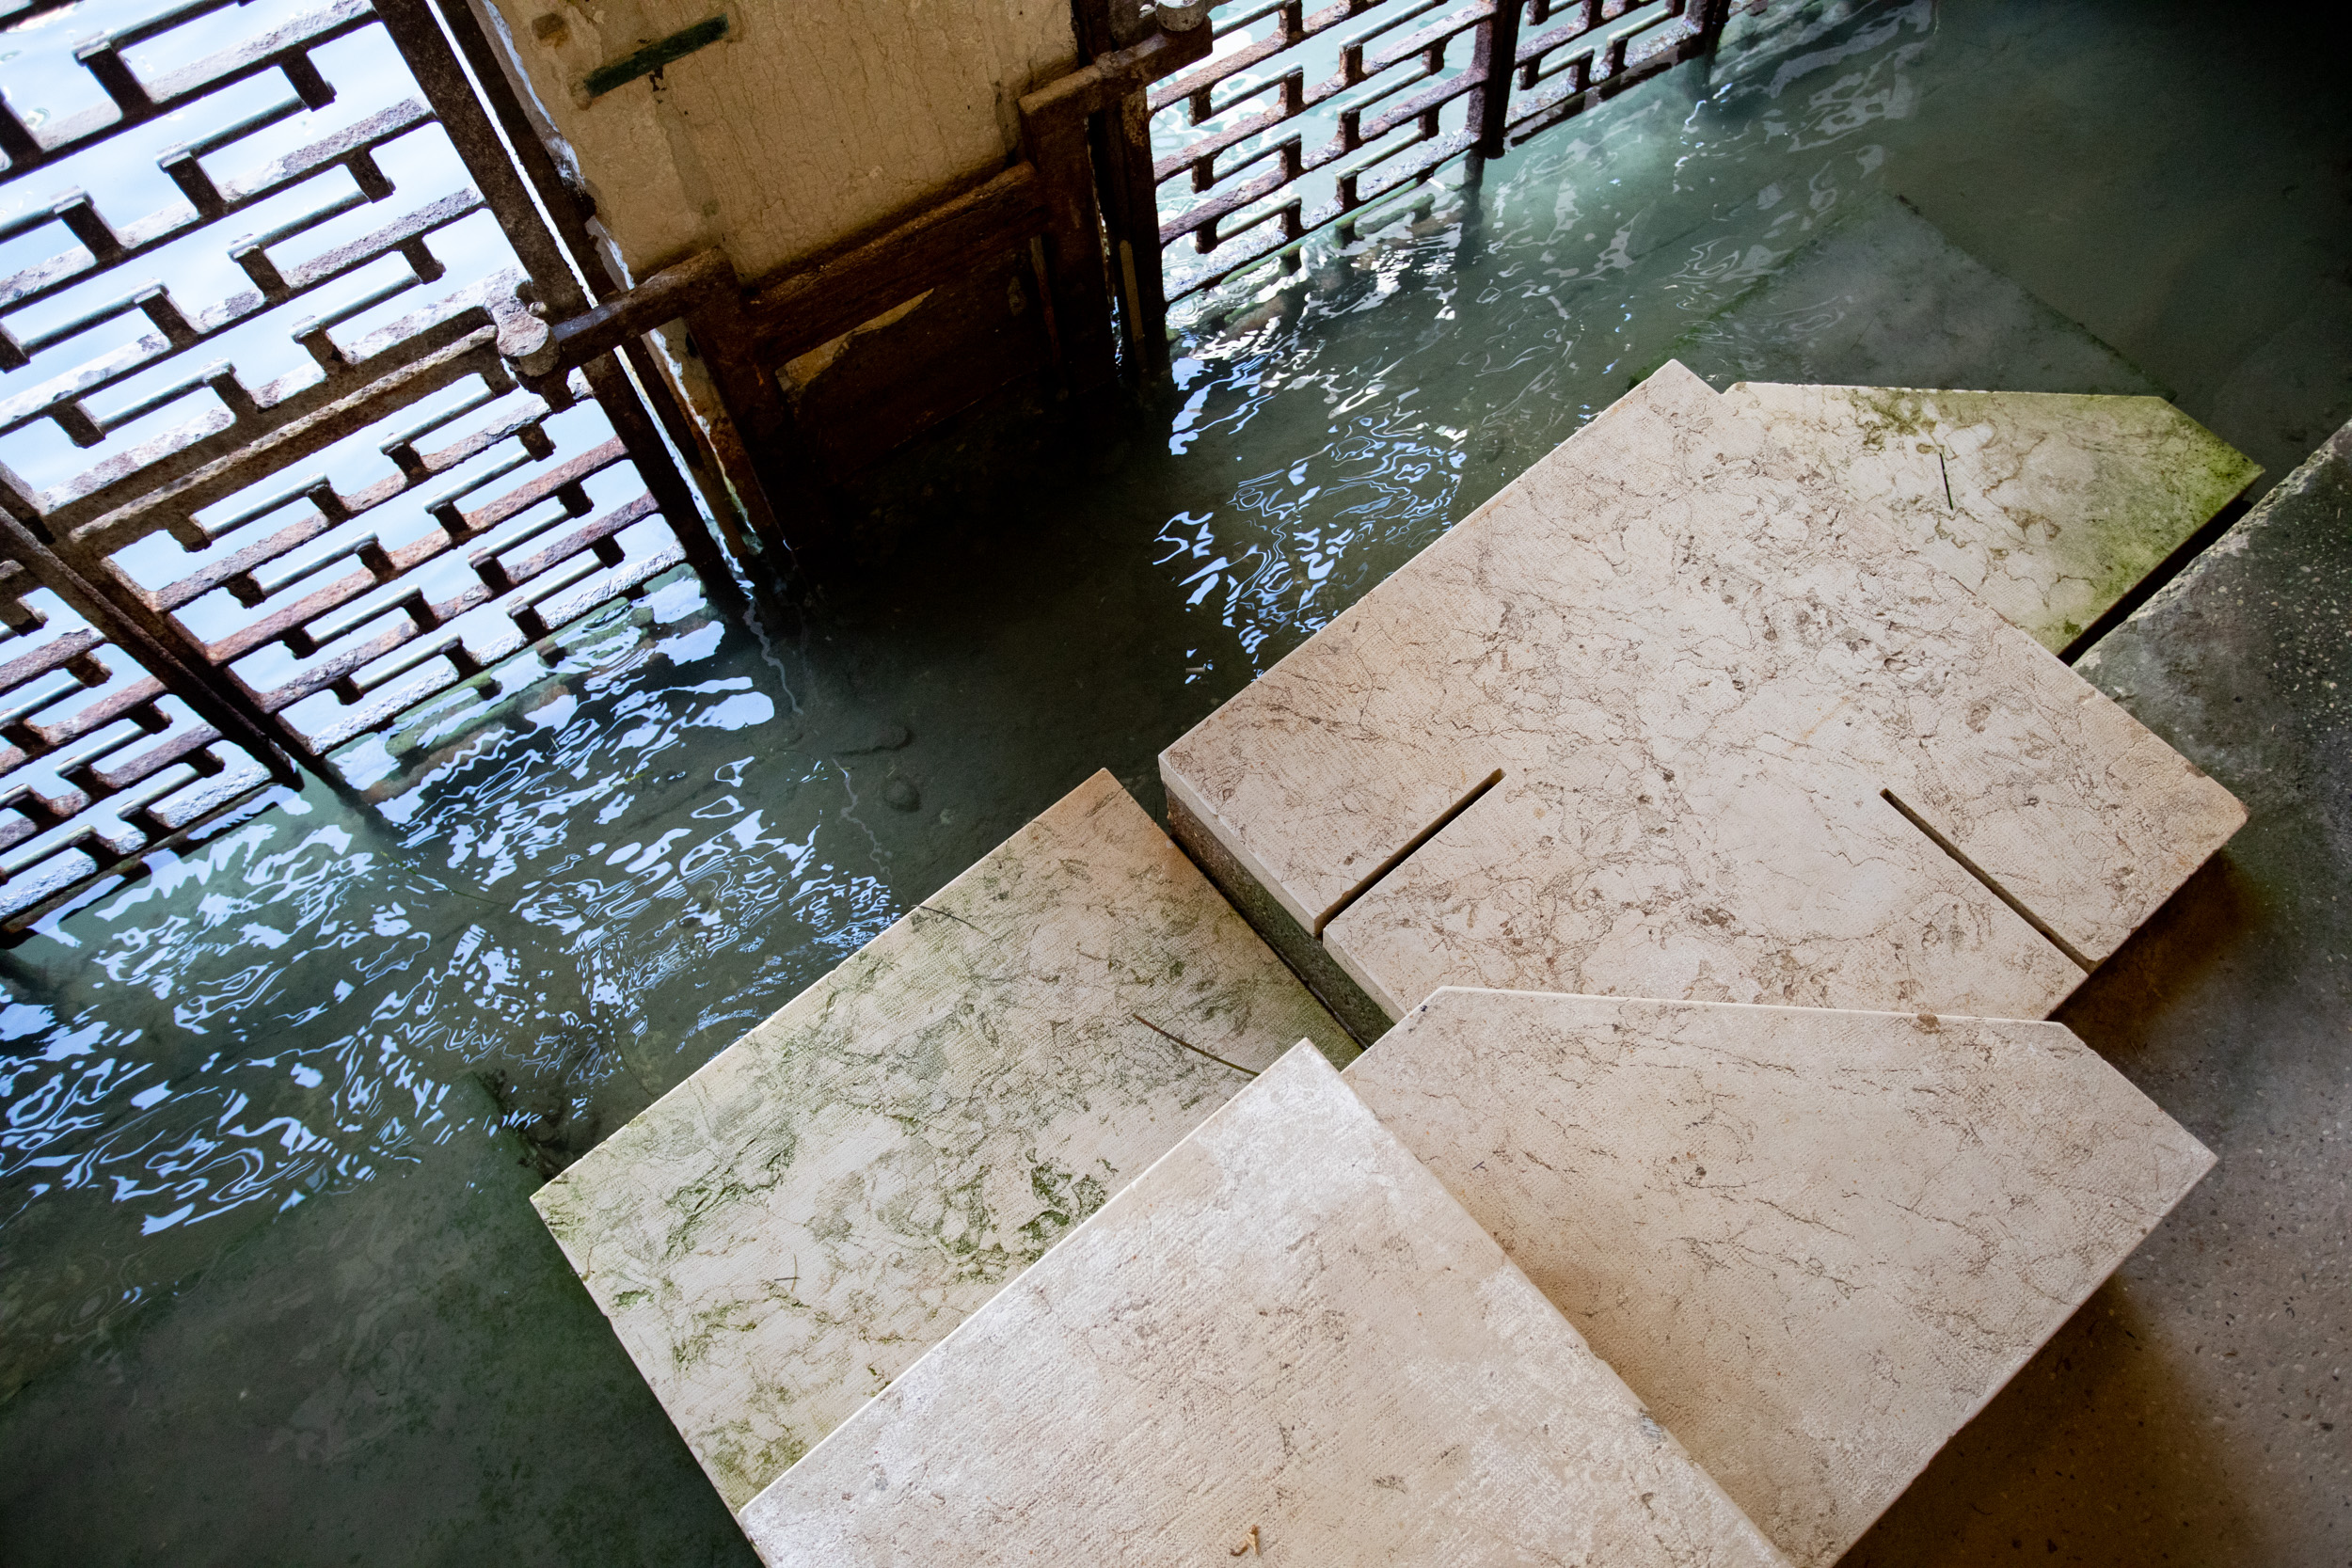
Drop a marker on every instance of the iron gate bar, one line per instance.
(134, 782)
(1499, 41)
(1420, 109)
(60, 400)
(1119, 139)
(418, 34)
(26, 551)
(361, 626)
(1701, 24)
(809, 308)
(352, 148)
(567, 210)
(33, 8)
(205, 472)
(1055, 132)
(132, 103)
(1679, 30)
(757, 440)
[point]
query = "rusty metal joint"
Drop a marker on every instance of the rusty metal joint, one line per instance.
(1112, 77)
(541, 350)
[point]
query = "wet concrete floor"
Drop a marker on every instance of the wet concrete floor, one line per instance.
(2195, 1411)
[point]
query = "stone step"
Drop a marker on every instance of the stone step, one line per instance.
(1879, 295)
(2061, 511)
(783, 1234)
(1674, 716)
(1695, 709)
(1285, 1340)
(1815, 1244)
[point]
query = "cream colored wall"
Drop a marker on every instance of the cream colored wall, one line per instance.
(810, 120)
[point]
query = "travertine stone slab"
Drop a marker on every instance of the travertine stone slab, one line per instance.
(1697, 670)
(1284, 1333)
(1814, 1242)
(2051, 506)
(781, 1235)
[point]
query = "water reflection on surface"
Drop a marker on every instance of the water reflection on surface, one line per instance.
(304, 1075)
(1400, 382)
(575, 907)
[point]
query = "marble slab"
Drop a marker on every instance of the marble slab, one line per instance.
(1283, 1341)
(1674, 716)
(1815, 1244)
(2052, 507)
(789, 1229)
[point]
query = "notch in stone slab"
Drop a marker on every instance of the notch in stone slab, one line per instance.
(1978, 872)
(1404, 852)
(651, 58)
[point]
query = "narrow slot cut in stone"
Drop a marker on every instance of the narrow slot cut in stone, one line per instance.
(1814, 1242)
(1418, 839)
(1704, 670)
(1937, 839)
(1282, 1340)
(784, 1233)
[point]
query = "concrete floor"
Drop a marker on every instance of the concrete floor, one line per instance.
(2196, 1411)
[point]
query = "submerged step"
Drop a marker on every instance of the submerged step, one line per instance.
(1880, 296)
(2056, 508)
(1814, 1242)
(1285, 1340)
(1673, 716)
(779, 1237)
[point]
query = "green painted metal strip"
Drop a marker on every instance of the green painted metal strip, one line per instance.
(652, 57)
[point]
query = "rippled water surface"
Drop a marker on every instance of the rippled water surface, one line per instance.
(269, 1285)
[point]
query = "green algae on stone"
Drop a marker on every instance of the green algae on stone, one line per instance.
(2055, 507)
(788, 1230)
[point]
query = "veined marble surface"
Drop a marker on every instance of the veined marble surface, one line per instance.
(2051, 506)
(784, 1233)
(1747, 747)
(1814, 1242)
(1284, 1340)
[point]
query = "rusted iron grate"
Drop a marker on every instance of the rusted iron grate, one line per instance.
(1302, 119)
(100, 760)
(255, 420)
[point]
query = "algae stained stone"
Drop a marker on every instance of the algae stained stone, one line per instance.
(1675, 716)
(2053, 507)
(781, 1235)
(1815, 1243)
(1283, 1341)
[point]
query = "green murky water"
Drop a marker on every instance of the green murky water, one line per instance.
(270, 1289)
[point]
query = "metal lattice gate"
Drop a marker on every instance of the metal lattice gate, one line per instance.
(269, 484)
(1311, 118)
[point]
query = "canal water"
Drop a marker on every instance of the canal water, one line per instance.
(270, 1285)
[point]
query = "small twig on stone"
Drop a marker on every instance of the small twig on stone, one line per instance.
(947, 914)
(1189, 1046)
